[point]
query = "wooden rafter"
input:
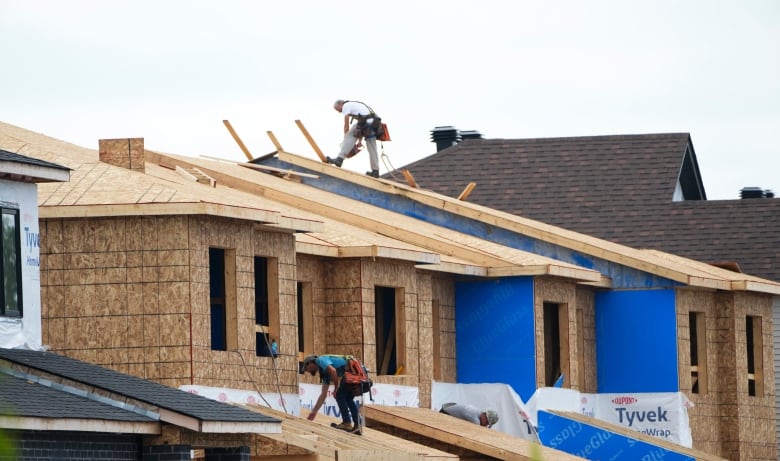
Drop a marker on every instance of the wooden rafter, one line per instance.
(274, 141)
(467, 191)
(311, 141)
(409, 178)
(237, 139)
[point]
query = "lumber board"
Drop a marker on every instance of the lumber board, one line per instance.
(409, 178)
(237, 139)
(311, 141)
(163, 209)
(456, 432)
(467, 191)
(280, 171)
(274, 141)
(317, 436)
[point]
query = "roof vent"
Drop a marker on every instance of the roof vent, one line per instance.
(470, 134)
(444, 137)
(755, 192)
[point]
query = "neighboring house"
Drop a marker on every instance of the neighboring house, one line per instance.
(55, 407)
(20, 300)
(181, 270)
(644, 191)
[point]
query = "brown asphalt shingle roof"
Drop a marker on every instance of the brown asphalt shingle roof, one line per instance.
(618, 188)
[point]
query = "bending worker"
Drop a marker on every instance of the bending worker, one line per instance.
(486, 418)
(367, 126)
(331, 369)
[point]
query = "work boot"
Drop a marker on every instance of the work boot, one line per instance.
(356, 430)
(335, 161)
(373, 173)
(344, 426)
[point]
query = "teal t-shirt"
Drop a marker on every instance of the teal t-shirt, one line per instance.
(338, 362)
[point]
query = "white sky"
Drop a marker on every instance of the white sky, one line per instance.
(171, 71)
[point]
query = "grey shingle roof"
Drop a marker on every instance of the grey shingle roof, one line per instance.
(619, 188)
(136, 388)
(12, 157)
(45, 402)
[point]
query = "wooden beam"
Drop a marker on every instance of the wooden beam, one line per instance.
(287, 174)
(274, 141)
(186, 174)
(237, 139)
(311, 141)
(409, 178)
(467, 191)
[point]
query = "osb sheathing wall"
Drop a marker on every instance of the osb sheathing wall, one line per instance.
(404, 276)
(585, 346)
(443, 289)
(243, 369)
(131, 293)
(344, 313)
(314, 271)
(552, 290)
(725, 420)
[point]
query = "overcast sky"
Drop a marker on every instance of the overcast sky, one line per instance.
(171, 71)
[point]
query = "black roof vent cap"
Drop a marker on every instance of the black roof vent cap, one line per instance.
(445, 136)
(751, 192)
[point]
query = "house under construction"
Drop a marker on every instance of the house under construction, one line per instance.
(185, 270)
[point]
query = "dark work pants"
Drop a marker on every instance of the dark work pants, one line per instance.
(347, 405)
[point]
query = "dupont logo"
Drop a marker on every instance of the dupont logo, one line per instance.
(625, 400)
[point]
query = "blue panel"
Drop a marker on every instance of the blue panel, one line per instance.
(592, 442)
(636, 341)
(494, 333)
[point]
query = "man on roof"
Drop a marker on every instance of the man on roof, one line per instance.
(466, 412)
(331, 369)
(367, 125)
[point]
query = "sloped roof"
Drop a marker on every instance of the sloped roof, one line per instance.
(348, 220)
(99, 189)
(324, 226)
(22, 168)
(183, 403)
(618, 188)
(649, 262)
(46, 402)
(570, 175)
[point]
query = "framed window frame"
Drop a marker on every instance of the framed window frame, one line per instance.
(11, 263)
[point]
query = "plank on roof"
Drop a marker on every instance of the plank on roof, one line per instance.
(456, 432)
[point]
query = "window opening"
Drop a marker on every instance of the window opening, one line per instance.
(217, 294)
(305, 321)
(10, 264)
(436, 325)
(267, 341)
(698, 352)
(390, 330)
(555, 342)
(755, 362)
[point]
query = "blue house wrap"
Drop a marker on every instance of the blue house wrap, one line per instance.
(636, 341)
(494, 333)
(592, 442)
